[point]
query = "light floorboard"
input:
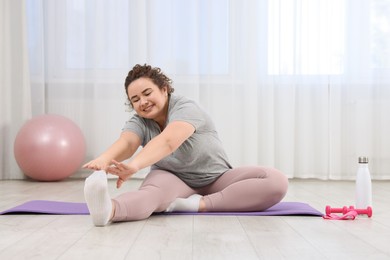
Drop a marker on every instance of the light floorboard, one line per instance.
(195, 237)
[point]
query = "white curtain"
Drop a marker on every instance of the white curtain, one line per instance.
(15, 97)
(302, 86)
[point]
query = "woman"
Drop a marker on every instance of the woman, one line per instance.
(189, 168)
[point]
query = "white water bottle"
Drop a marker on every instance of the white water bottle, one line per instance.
(363, 185)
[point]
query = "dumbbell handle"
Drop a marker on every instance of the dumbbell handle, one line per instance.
(367, 211)
(329, 210)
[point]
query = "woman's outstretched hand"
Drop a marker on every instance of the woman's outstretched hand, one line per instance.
(97, 164)
(122, 170)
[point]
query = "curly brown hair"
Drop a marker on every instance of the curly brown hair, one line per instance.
(147, 71)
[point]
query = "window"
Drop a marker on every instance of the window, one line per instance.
(305, 37)
(380, 34)
(202, 37)
(190, 36)
(97, 34)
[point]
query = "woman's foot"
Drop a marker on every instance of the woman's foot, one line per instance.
(190, 204)
(97, 198)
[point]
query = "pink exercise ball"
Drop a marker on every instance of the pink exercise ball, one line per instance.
(49, 148)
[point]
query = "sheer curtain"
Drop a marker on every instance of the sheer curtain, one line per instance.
(298, 85)
(15, 97)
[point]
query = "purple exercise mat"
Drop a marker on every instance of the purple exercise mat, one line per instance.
(49, 207)
(74, 208)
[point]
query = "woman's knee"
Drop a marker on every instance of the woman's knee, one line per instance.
(279, 183)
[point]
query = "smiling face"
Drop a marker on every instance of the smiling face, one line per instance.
(148, 100)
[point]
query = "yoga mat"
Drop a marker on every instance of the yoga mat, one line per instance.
(74, 208)
(49, 207)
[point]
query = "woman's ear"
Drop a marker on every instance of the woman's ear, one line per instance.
(165, 90)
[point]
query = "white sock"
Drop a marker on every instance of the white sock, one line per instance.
(190, 204)
(97, 198)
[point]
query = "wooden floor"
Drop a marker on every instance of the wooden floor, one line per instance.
(195, 237)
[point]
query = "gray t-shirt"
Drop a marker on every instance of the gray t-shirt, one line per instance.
(201, 159)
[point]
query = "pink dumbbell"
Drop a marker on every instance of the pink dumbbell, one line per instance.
(367, 211)
(329, 210)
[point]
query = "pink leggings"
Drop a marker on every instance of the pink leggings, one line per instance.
(241, 189)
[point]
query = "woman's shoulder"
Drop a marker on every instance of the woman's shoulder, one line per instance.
(184, 107)
(177, 100)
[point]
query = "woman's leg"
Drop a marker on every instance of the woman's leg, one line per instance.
(156, 193)
(250, 188)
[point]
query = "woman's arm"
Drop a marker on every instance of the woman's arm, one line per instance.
(122, 149)
(164, 144)
(156, 149)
